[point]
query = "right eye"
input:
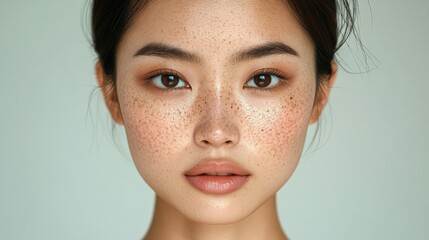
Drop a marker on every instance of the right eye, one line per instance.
(167, 81)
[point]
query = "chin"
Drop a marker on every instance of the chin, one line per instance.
(219, 212)
(211, 209)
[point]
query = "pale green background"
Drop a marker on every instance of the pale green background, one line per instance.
(61, 177)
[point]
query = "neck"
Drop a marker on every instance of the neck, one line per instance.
(168, 223)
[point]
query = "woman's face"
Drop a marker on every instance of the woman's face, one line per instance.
(216, 82)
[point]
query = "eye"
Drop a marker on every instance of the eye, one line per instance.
(264, 80)
(168, 81)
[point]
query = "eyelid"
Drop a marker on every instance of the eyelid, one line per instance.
(271, 71)
(167, 71)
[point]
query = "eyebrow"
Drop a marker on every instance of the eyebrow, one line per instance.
(263, 50)
(166, 51)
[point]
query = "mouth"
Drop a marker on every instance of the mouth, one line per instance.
(217, 176)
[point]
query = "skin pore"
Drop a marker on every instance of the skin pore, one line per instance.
(215, 80)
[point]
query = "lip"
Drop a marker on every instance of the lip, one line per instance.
(217, 176)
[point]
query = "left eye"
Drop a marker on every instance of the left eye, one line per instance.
(263, 81)
(168, 81)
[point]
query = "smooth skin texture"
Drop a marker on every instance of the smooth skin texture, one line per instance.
(215, 109)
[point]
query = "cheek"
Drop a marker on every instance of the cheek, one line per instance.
(155, 133)
(286, 126)
(277, 130)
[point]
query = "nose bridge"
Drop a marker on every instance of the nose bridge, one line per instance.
(217, 124)
(216, 98)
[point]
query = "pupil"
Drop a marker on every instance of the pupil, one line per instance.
(170, 80)
(263, 80)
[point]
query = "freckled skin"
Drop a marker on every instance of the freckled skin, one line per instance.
(217, 117)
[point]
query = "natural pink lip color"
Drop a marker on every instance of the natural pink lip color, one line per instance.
(217, 176)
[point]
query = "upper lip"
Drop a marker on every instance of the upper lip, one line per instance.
(217, 167)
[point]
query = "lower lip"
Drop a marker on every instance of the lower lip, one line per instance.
(217, 184)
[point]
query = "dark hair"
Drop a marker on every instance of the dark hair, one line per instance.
(328, 22)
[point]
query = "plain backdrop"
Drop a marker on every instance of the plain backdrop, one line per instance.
(63, 177)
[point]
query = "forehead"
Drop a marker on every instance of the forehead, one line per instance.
(217, 27)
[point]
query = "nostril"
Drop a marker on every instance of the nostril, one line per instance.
(207, 136)
(206, 142)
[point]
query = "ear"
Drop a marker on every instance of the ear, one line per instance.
(322, 96)
(109, 93)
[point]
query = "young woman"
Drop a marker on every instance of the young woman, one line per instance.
(216, 98)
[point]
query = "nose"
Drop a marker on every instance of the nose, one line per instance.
(216, 134)
(217, 125)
